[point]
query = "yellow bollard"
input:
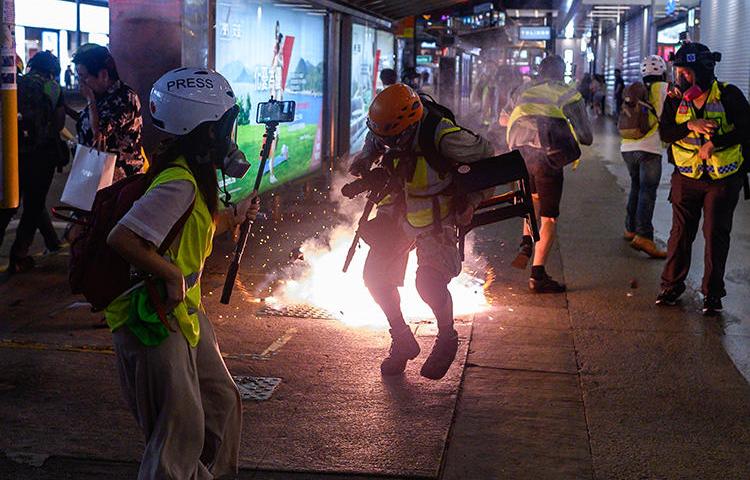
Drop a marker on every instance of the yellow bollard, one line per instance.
(9, 106)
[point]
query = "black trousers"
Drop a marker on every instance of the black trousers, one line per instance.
(36, 172)
(717, 200)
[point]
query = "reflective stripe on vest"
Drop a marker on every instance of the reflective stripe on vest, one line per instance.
(543, 100)
(723, 162)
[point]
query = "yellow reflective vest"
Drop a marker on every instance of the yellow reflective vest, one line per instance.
(426, 196)
(188, 252)
(724, 161)
(546, 100)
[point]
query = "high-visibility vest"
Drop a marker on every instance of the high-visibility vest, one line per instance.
(189, 256)
(426, 196)
(724, 161)
(545, 100)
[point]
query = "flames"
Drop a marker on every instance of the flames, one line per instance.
(317, 280)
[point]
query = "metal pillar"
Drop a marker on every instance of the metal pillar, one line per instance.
(78, 24)
(9, 107)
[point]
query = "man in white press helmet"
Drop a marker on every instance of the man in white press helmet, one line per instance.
(642, 150)
(174, 379)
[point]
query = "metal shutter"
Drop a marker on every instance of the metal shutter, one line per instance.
(633, 52)
(723, 28)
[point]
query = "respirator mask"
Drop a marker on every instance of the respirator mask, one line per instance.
(224, 153)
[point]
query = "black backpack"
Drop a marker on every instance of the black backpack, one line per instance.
(435, 113)
(35, 114)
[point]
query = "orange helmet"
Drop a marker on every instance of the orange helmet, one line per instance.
(394, 110)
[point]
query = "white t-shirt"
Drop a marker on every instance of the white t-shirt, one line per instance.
(154, 214)
(650, 143)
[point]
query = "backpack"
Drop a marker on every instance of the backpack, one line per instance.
(635, 119)
(35, 114)
(435, 113)
(96, 270)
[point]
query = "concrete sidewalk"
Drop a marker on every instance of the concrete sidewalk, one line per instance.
(596, 383)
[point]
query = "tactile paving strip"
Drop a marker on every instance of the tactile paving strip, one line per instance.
(256, 388)
(297, 311)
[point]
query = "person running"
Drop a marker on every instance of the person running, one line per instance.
(547, 122)
(176, 383)
(421, 147)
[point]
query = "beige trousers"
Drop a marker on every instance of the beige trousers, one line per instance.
(186, 403)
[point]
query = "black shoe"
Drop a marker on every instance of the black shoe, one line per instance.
(441, 357)
(669, 296)
(712, 306)
(525, 251)
(545, 285)
(403, 348)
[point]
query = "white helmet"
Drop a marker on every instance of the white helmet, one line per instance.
(653, 65)
(185, 97)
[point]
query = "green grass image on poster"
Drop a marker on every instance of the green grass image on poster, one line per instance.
(299, 142)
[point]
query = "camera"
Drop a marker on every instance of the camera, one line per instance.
(274, 111)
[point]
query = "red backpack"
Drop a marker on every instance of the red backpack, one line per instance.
(97, 271)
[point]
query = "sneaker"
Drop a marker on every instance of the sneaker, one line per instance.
(404, 347)
(712, 306)
(545, 285)
(272, 179)
(669, 296)
(647, 246)
(525, 251)
(628, 236)
(441, 357)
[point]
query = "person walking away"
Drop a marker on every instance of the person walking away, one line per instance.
(112, 120)
(642, 156)
(421, 147)
(68, 78)
(618, 91)
(705, 126)
(547, 122)
(175, 382)
(41, 117)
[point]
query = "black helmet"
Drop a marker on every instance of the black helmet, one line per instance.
(45, 62)
(696, 56)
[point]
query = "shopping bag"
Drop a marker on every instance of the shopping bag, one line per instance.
(92, 170)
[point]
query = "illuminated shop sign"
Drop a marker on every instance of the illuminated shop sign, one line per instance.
(535, 33)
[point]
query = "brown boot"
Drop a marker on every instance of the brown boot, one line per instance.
(648, 246)
(628, 236)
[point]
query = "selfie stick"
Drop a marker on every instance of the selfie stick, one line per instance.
(234, 267)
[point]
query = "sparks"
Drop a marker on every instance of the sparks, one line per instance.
(317, 280)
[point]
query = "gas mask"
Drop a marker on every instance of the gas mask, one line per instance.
(225, 153)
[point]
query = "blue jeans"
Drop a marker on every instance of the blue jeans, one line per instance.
(645, 173)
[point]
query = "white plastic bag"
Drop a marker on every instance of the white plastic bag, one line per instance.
(91, 171)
